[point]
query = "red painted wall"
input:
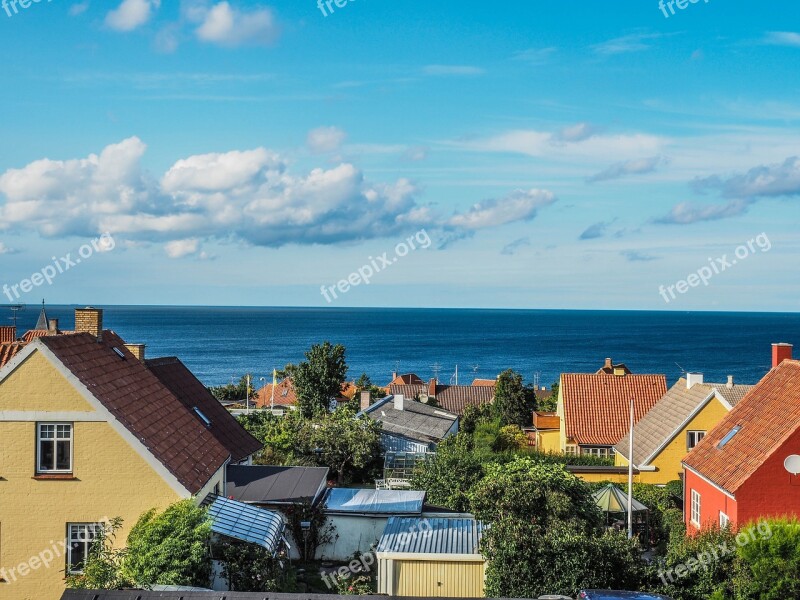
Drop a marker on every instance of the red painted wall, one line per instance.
(771, 491)
(712, 501)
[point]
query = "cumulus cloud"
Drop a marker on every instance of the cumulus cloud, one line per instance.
(325, 139)
(639, 166)
(131, 14)
(686, 213)
(225, 25)
(453, 70)
(595, 231)
(6, 250)
(521, 205)
(515, 246)
(248, 196)
(763, 181)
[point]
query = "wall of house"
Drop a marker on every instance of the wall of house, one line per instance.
(712, 502)
(549, 440)
(110, 479)
(562, 432)
(771, 491)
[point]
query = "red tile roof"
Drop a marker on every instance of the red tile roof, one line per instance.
(597, 406)
(285, 394)
(768, 415)
(9, 351)
(8, 334)
(485, 382)
(407, 379)
(175, 435)
(189, 390)
(34, 334)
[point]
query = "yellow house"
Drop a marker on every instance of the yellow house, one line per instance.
(662, 438)
(90, 431)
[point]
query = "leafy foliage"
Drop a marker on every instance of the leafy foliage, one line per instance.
(318, 379)
(103, 567)
(364, 384)
(251, 568)
(233, 392)
(170, 548)
(549, 404)
(513, 402)
(768, 566)
(319, 533)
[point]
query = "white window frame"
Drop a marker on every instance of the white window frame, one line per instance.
(571, 450)
(74, 540)
(724, 520)
(696, 436)
(599, 452)
(695, 506)
(55, 439)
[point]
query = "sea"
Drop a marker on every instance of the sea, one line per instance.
(221, 344)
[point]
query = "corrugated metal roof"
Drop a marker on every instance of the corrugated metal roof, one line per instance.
(405, 535)
(246, 523)
(376, 502)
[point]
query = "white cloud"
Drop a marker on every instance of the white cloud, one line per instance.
(182, 248)
(6, 250)
(635, 42)
(687, 214)
(325, 139)
(521, 205)
(577, 133)
(763, 181)
(225, 25)
(453, 70)
(782, 38)
(638, 166)
(78, 8)
(131, 14)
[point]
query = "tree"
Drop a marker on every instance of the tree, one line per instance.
(233, 392)
(449, 475)
(364, 384)
(251, 568)
(102, 569)
(318, 379)
(549, 404)
(512, 402)
(170, 547)
(768, 564)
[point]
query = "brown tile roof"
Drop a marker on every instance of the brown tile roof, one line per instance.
(175, 435)
(452, 398)
(189, 390)
(286, 395)
(35, 334)
(768, 416)
(485, 382)
(408, 378)
(9, 351)
(659, 425)
(596, 406)
(413, 390)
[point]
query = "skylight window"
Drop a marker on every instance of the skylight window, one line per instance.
(203, 418)
(729, 437)
(119, 353)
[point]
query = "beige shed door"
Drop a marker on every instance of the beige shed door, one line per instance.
(439, 579)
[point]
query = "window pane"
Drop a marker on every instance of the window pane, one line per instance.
(46, 431)
(63, 431)
(62, 456)
(46, 458)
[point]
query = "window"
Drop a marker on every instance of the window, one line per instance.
(693, 438)
(54, 447)
(602, 452)
(571, 450)
(724, 521)
(695, 515)
(80, 537)
(729, 437)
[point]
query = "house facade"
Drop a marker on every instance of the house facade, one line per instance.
(675, 425)
(88, 433)
(737, 474)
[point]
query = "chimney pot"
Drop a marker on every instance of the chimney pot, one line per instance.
(399, 402)
(89, 320)
(432, 388)
(780, 353)
(394, 375)
(52, 325)
(609, 364)
(693, 379)
(366, 400)
(137, 350)
(730, 381)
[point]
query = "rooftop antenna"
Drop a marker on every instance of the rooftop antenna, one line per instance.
(475, 369)
(436, 368)
(15, 308)
(454, 377)
(537, 379)
(683, 371)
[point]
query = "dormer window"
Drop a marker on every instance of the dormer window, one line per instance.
(54, 448)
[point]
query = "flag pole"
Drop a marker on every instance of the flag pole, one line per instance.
(630, 476)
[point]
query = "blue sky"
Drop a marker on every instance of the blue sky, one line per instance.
(556, 154)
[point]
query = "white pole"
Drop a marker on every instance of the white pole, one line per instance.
(247, 400)
(630, 477)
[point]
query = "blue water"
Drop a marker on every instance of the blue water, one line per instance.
(219, 344)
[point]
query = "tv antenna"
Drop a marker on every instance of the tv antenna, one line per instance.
(436, 368)
(537, 379)
(475, 369)
(683, 371)
(15, 309)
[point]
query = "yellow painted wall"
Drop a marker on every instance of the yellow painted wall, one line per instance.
(549, 440)
(668, 462)
(439, 579)
(111, 479)
(562, 438)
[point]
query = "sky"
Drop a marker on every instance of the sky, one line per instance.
(571, 154)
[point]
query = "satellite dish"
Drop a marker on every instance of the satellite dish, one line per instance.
(792, 464)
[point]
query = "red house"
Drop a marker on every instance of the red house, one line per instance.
(737, 473)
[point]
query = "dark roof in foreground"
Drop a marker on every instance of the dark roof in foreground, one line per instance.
(276, 485)
(416, 421)
(175, 435)
(143, 595)
(189, 390)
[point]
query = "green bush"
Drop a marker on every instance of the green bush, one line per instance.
(251, 568)
(768, 565)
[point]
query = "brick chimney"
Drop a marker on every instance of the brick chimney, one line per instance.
(432, 388)
(137, 350)
(394, 375)
(609, 364)
(780, 353)
(366, 400)
(8, 333)
(399, 402)
(52, 326)
(89, 320)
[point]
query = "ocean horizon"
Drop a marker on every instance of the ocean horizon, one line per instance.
(220, 344)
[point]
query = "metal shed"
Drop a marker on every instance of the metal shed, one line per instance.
(432, 558)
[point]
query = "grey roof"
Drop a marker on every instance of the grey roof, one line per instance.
(385, 502)
(42, 324)
(276, 485)
(417, 421)
(246, 523)
(662, 421)
(611, 499)
(405, 535)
